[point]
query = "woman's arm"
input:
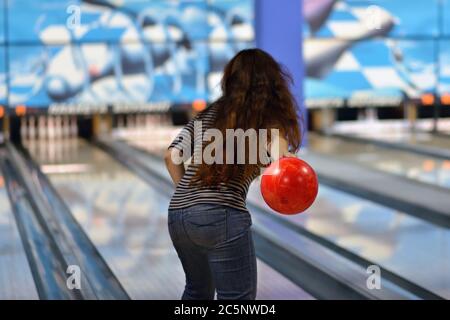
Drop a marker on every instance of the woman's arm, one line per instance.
(181, 148)
(176, 170)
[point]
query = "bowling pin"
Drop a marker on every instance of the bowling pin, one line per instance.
(65, 127)
(372, 115)
(32, 128)
(142, 124)
(23, 128)
(148, 121)
(130, 124)
(58, 127)
(120, 122)
(135, 124)
(136, 127)
(52, 149)
(50, 128)
(73, 127)
(42, 127)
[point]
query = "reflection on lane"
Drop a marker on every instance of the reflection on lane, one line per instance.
(126, 220)
(414, 166)
(418, 138)
(16, 281)
(410, 247)
(119, 213)
(397, 132)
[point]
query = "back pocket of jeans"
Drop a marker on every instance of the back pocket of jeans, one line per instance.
(207, 229)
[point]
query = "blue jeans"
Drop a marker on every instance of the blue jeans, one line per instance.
(215, 247)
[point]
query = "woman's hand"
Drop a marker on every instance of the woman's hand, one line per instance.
(279, 148)
(288, 154)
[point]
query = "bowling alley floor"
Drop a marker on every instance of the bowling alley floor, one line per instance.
(126, 220)
(125, 217)
(395, 240)
(424, 168)
(15, 275)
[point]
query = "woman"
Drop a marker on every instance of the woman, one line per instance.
(209, 223)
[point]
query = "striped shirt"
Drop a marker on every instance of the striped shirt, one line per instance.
(232, 194)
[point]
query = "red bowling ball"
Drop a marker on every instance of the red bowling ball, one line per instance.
(289, 186)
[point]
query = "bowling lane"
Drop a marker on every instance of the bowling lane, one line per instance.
(414, 166)
(394, 240)
(126, 219)
(398, 132)
(410, 247)
(16, 280)
(414, 138)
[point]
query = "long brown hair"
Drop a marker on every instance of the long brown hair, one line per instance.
(255, 95)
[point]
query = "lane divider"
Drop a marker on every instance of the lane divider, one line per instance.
(67, 237)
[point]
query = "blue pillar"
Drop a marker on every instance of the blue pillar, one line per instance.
(278, 27)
